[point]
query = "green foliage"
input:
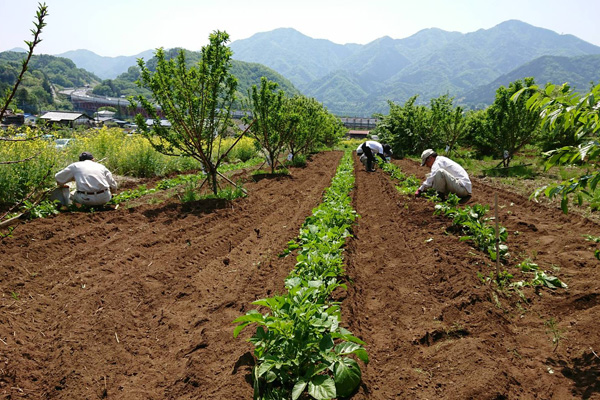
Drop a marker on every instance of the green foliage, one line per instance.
(247, 74)
(522, 171)
(540, 278)
(41, 210)
(191, 192)
(130, 155)
(412, 128)
(124, 85)
(297, 161)
(509, 124)
(455, 128)
(471, 220)
(18, 179)
(316, 127)
(573, 115)
(274, 120)
(404, 128)
(407, 184)
(244, 150)
(300, 346)
(45, 74)
(10, 88)
(188, 180)
(555, 332)
(123, 154)
(196, 100)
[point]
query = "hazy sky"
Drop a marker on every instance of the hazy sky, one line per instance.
(128, 27)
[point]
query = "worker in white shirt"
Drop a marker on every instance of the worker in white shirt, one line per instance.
(93, 181)
(367, 150)
(446, 176)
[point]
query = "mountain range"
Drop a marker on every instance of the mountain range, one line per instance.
(359, 80)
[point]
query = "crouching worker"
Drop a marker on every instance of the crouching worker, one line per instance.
(93, 181)
(446, 176)
(367, 150)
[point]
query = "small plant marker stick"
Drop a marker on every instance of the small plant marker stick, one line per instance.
(497, 236)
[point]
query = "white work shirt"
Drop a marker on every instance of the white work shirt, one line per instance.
(376, 147)
(452, 167)
(89, 176)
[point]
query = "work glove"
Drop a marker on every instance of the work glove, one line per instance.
(418, 193)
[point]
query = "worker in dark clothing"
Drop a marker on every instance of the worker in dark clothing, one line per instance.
(367, 152)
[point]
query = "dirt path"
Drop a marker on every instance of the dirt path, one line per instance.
(138, 303)
(435, 331)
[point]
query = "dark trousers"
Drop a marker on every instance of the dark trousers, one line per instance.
(370, 157)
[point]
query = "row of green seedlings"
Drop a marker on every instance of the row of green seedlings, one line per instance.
(169, 183)
(472, 222)
(300, 347)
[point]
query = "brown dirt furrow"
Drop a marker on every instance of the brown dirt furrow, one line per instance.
(435, 330)
(137, 303)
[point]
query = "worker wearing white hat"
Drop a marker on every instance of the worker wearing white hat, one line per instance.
(446, 176)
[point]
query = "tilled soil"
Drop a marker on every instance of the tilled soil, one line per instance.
(436, 330)
(137, 303)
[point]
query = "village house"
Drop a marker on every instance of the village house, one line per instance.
(67, 118)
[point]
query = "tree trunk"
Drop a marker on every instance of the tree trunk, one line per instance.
(273, 161)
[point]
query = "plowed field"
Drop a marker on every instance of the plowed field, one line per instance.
(137, 303)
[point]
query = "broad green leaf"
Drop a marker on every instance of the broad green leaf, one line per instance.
(322, 387)
(326, 343)
(251, 316)
(293, 282)
(345, 348)
(239, 328)
(347, 376)
(271, 376)
(264, 368)
(564, 204)
(262, 302)
(298, 389)
(347, 335)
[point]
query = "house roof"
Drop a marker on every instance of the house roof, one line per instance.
(357, 133)
(63, 116)
(163, 122)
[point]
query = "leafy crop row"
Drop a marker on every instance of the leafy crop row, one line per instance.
(470, 220)
(178, 180)
(299, 343)
(473, 223)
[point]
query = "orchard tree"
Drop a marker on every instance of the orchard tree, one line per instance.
(405, 128)
(454, 128)
(477, 134)
(412, 128)
(439, 122)
(558, 134)
(563, 111)
(311, 121)
(333, 130)
(316, 126)
(274, 119)
(510, 123)
(196, 100)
